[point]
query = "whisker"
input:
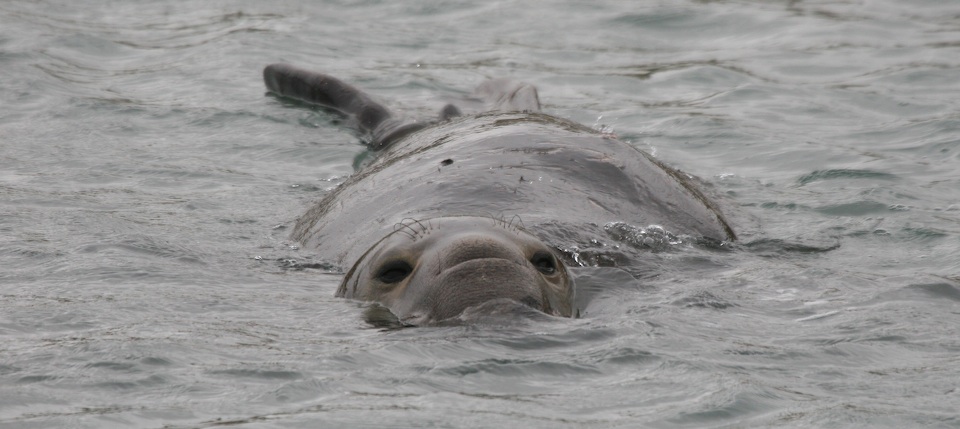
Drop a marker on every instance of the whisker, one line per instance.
(412, 233)
(519, 224)
(422, 227)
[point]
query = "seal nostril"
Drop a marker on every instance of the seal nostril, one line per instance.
(544, 262)
(394, 271)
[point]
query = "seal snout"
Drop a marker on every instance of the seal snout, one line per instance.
(476, 246)
(476, 281)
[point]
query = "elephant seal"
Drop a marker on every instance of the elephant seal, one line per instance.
(456, 214)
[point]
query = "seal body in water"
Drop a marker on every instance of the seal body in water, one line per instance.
(469, 211)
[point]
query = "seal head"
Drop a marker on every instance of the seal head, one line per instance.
(429, 271)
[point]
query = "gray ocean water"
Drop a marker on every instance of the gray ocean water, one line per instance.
(148, 187)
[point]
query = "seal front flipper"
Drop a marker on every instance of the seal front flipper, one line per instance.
(372, 118)
(509, 95)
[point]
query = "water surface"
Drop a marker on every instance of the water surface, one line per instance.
(148, 187)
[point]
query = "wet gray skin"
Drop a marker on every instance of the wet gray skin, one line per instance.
(467, 210)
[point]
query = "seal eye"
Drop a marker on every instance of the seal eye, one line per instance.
(544, 262)
(394, 271)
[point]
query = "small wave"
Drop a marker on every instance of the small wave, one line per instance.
(820, 175)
